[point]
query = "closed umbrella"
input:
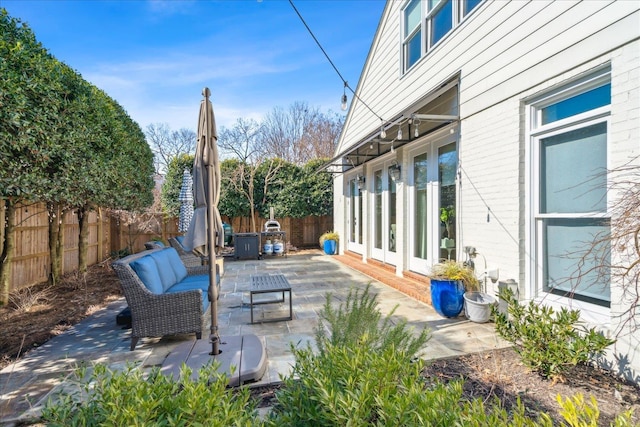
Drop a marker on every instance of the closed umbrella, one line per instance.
(186, 202)
(205, 232)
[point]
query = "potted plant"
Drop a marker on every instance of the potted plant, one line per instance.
(449, 281)
(447, 216)
(329, 242)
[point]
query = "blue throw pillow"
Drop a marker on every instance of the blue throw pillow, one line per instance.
(176, 264)
(165, 269)
(147, 271)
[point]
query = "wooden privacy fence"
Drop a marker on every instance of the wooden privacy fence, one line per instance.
(112, 233)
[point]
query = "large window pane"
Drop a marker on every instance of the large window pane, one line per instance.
(353, 191)
(411, 17)
(442, 22)
(377, 181)
(590, 100)
(573, 171)
(447, 166)
(414, 50)
(420, 210)
(573, 265)
(392, 213)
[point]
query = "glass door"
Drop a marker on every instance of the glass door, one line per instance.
(384, 215)
(354, 216)
(432, 206)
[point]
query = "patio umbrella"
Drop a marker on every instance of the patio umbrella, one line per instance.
(205, 231)
(186, 202)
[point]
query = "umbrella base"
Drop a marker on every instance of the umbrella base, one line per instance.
(246, 353)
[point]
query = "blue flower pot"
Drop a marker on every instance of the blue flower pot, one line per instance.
(447, 297)
(330, 247)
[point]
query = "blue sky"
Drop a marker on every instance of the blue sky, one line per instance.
(155, 56)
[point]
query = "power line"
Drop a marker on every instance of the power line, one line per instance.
(346, 84)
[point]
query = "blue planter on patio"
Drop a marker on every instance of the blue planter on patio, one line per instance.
(447, 297)
(330, 247)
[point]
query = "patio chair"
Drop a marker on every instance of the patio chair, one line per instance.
(188, 258)
(154, 244)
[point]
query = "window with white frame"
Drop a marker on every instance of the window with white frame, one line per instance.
(569, 133)
(426, 22)
(412, 38)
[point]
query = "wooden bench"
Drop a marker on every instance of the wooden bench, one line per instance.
(267, 284)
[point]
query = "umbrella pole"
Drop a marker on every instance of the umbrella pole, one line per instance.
(213, 289)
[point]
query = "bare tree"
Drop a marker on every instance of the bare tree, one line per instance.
(167, 144)
(299, 134)
(242, 141)
(613, 256)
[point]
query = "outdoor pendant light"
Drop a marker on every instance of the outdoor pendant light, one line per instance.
(343, 105)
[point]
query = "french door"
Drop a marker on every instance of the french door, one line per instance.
(384, 215)
(432, 205)
(354, 216)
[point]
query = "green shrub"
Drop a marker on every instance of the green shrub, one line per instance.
(578, 413)
(358, 322)
(548, 342)
(128, 398)
(365, 373)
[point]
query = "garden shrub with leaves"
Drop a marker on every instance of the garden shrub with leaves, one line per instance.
(365, 373)
(548, 341)
(129, 398)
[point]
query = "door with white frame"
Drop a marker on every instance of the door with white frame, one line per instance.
(384, 213)
(355, 201)
(432, 204)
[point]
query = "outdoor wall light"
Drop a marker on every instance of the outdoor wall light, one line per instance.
(361, 181)
(394, 172)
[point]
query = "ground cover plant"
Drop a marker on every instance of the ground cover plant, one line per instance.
(489, 375)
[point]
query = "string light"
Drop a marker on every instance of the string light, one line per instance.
(383, 133)
(343, 105)
(346, 85)
(417, 131)
(399, 133)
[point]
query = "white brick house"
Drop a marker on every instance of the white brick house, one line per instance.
(507, 115)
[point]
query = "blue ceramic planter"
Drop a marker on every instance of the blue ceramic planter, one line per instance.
(330, 247)
(447, 297)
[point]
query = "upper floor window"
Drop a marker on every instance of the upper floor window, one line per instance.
(426, 22)
(412, 34)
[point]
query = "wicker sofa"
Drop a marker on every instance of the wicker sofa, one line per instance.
(165, 297)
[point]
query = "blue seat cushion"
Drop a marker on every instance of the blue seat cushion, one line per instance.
(147, 271)
(181, 287)
(165, 269)
(176, 264)
(192, 282)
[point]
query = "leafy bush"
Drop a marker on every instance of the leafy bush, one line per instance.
(128, 398)
(359, 323)
(365, 374)
(578, 413)
(548, 342)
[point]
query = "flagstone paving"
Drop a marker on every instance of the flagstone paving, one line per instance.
(27, 384)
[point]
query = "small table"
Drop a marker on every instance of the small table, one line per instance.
(266, 284)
